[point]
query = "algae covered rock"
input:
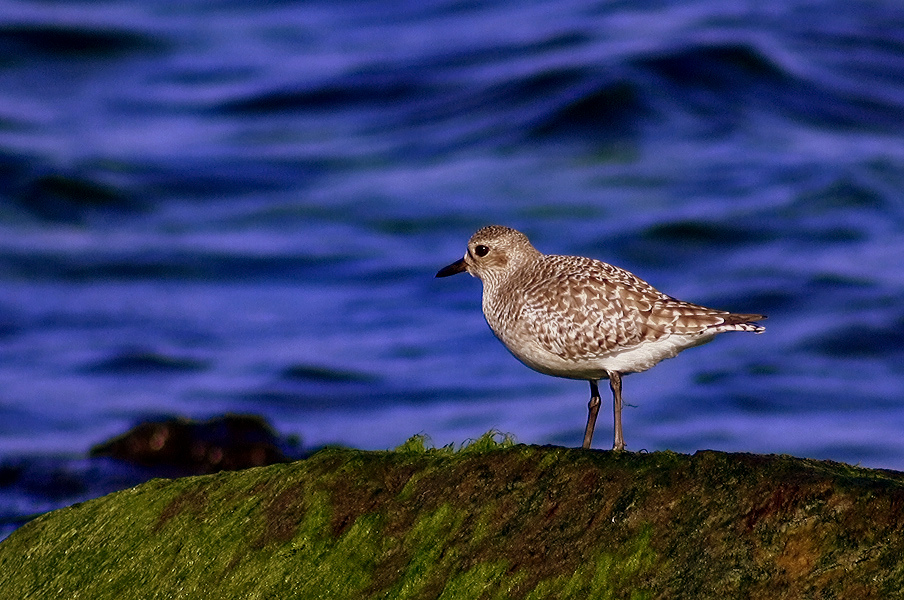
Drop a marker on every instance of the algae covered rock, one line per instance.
(188, 447)
(488, 521)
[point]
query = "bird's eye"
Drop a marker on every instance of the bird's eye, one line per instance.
(481, 250)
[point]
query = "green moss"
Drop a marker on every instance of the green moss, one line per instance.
(432, 555)
(416, 444)
(491, 440)
(318, 562)
(485, 581)
(606, 576)
(489, 520)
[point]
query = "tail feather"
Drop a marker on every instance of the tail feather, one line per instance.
(742, 322)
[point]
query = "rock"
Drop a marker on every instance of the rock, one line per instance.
(226, 443)
(488, 521)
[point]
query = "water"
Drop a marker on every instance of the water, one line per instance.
(235, 206)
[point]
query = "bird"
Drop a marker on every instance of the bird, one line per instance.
(581, 318)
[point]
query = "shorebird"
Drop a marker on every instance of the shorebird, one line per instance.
(580, 318)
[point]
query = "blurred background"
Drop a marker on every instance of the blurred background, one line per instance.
(235, 206)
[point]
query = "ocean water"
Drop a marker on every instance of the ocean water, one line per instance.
(211, 207)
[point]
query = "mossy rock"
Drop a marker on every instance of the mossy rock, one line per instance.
(492, 520)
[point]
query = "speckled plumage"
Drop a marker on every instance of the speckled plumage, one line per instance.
(581, 318)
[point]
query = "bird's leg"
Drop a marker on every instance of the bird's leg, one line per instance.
(615, 384)
(593, 408)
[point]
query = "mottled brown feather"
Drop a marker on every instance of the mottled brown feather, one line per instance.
(579, 307)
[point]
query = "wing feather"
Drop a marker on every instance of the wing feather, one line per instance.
(579, 308)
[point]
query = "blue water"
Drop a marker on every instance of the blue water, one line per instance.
(238, 206)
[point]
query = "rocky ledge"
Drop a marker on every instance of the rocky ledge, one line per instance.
(490, 520)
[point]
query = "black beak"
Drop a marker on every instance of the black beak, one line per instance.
(457, 267)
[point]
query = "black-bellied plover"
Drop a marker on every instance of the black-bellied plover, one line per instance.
(579, 318)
